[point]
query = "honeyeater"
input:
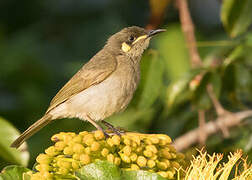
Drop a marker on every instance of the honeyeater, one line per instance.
(103, 86)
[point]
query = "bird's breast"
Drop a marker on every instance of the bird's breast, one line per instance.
(108, 97)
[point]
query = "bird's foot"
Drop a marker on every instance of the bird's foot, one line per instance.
(118, 131)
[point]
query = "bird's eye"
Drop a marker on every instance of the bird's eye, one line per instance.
(131, 38)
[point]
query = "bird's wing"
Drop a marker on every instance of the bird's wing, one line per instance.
(95, 71)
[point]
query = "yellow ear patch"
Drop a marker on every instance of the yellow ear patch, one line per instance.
(125, 47)
(139, 38)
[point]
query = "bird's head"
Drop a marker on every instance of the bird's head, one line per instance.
(131, 41)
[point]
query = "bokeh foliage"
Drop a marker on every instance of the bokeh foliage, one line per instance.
(43, 43)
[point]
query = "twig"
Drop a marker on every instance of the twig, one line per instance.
(217, 105)
(202, 123)
(188, 29)
(212, 127)
(218, 108)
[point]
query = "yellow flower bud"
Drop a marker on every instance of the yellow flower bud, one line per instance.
(141, 161)
(127, 150)
(78, 148)
(117, 161)
(85, 159)
(125, 158)
(60, 145)
(167, 162)
(154, 157)
(134, 145)
(68, 150)
(127, 141)
(104, 152)
(133, 157)
(110, 142)
(139, 149)
(151, 163)
(89, 141)
(134, 167)
(163, 174)
(76, 156)
(63, 171)
(147, 141)
(87, 150)
(152, 148)
(99, 135)
(147, 153)
(175, 164)
(75, 165)
(77, 139)
(137, 140)
(51, 151)
(173, 155)
(38, 167)
(171, 148)
(170, 174)
(46, 175)
(95, 146)
(110, 158)
(166, 154)
(83, 133)
(43, 158)
(57, 137)
(165, 138)
(180, 156)
(67, 138)
(45, 167)
(154, 140)
(162, 165)
(116, 140)
(65, 164)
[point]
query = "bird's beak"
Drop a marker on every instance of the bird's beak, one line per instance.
(154, 32)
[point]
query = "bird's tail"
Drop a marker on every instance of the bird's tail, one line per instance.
(32, 130)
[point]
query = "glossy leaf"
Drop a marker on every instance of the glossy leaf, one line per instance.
(234, 55)
(98, 171)
(141, 175)
(172, 47)
(152, 68)
(179, 87)
(8, 134)
(13, 173)
(236, 16)
(101, 170)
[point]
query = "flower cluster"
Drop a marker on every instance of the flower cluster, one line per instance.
(130, 151)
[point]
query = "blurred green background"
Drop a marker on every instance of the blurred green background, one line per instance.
(43, 43)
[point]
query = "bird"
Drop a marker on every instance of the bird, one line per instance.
(103, 86)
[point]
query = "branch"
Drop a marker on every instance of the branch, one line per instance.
(212, 127)
(188, 29)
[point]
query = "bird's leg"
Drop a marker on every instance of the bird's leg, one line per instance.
(97, 126)
(110, 126)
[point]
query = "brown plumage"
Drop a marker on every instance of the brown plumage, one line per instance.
(103, 86)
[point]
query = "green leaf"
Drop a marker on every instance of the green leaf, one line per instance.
(235, 55)
(180, 87)
(133, 119)
(152, 68)
(236, 16)
(172, 47)
(13, 173)
(141, 175)
(8, 134)
(99, 170)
